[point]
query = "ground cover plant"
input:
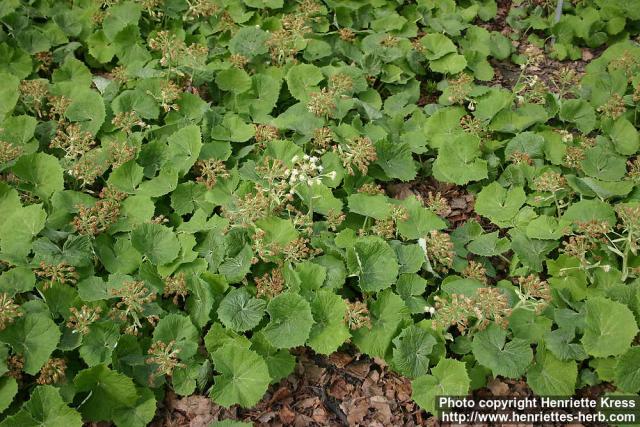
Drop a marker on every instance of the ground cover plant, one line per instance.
(190, 189)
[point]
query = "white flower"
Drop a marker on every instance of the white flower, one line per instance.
(292, 179)
(313, 159)
(295, 158)
(318, 181)
(320, 168)
(332, 174)
(310, 181)
(429, 309)
(306, 157)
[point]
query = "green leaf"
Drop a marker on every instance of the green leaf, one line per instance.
(329, 331)
(139, 414)
(452, 63)
(602, 163)
(233, 129)
(156, 242)
(550, 376)
(374, 262)
(8, 390)
(489, 245)
(243, 376)
(280, 362)
(178, 328)
(249, 42)
(184, 148)
(421, 220)
(580, 112)
(609, 327)
(107, 392)
(98, 345)
(396, 160)
(44, 408)
(458, 161)
(9, 93)
(87, 109)
(624, 135)
(234, 80)
(448, 378)
(42, 172)
(119, 17)
(388, 316)
(499, 204)
(302, 79)
(239, 311)
(627, 371)
(17, 280)
(34, 336)
(590, 210)
(291, 321)
(411, 351)
(375, 206)
(437, 45)
(509, 359)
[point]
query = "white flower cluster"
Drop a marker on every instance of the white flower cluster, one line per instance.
(306, 170)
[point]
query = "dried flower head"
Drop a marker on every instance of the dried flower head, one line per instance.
(89, 167)
(165, 356)
(53, 371)
(133, 296)
(45, 60)
(72, 140)
(127, 120)
(81, 320)
(15, 363)
(298, 250)
(438, 204)
(535, 293)
(371, 188)
(460, 88)
(357, 153)
(61, 273)
(266, 133)
(573, 157)
(520, 157)
(614, 107)
(476, 312)
(357, 315)
(57, 107)
(9, 152)
(201, 9)
(96, 219)
(176, 286)
(440, 248)
(33, 94)
(335, 218)
(322, 103)
(340, 83)
(209, 171)
(322, 138)
(633, 169)
(347, 35)
(551, 182)
(578, 247)
(9, 310)
(270, 284)
(238, 61)
(475, 270)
